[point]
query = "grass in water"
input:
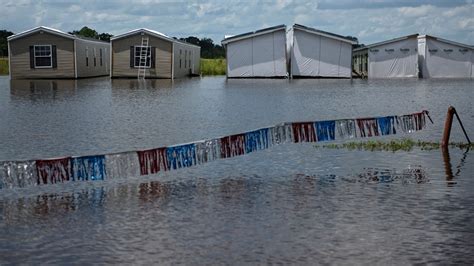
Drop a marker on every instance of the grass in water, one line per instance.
(393, 145)
(3, 66)
(213, 66)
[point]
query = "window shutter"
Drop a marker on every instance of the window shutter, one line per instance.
(32, 57)
(132, 56)
(54, 57)
(152, 64)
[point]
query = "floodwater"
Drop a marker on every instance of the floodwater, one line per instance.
(291, 204)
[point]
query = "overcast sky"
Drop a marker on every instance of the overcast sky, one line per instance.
(369, 20)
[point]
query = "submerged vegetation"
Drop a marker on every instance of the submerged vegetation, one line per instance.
(213, 66)
(4, 66)
(393, 145)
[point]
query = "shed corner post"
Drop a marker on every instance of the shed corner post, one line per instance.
(9, 61)
(172, 60)
(110, 58)
(75, 59)
(226, 62)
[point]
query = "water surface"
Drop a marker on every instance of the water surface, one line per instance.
(292, 203)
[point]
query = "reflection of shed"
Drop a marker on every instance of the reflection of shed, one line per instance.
(440, 58)
(257, 54)
(396, 58)
(44, 52)
(316, 53)
(165, 57)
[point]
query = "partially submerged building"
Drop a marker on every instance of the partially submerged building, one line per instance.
(316, 53)
(44, 52)
(395, 58)
(441, 58)
(259, 54)
(153, 54)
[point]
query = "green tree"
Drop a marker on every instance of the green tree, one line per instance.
(3, 42)
(105, 36)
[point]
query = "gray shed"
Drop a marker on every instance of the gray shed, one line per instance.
(44, 52)
(317, 53)
(261, 53)
(151, 54)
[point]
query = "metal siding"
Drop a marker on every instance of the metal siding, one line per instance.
(20, 57)
(121, 57)
(91, 71)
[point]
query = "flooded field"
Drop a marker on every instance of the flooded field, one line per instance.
(292, 203)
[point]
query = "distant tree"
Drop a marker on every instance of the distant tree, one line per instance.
(105, 36)
(3, 42)
(191, 39)
(91, 33)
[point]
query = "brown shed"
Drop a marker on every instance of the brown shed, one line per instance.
(44, 52)
(162, 56)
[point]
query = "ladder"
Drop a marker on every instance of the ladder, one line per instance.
(144, 50)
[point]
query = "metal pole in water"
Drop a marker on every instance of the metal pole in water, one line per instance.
(448, 124)
(447, 127)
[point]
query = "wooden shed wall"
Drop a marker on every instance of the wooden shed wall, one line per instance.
(20, 57)
(121, 57)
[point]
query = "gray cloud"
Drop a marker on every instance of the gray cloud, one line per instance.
(369, 20)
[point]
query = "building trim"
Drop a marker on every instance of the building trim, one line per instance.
(252, 34)
(386, 42)
(323, 33)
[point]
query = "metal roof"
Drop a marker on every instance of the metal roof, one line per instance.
(253, 33)
(386, 42)
(41, 28)
(447, 41)
(324, 33)
(154, 33)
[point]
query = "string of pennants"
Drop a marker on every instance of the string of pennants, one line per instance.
(152, 161)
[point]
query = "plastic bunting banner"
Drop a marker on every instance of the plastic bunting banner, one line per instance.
(256, 140)
(303, 132)
(232, 146)
(131, 164)
(53, 170)
(88, 168)
(325, 130)
(181, 156)
(152, 161)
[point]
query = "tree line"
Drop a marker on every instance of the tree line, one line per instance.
(208, 48)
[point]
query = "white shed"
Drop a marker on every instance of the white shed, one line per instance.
(442, 58)
(395, 58)
(260, 53)
(317, 53)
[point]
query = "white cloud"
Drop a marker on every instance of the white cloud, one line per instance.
(369, 20)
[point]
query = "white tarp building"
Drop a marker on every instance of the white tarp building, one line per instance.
(396, 58)
(317, 53)
(440, 58)
(257, 54)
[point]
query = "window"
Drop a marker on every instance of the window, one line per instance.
(43, 56)
(180, 53)
(146, 50)
(100, 56)
(87, 56)
(95, 60)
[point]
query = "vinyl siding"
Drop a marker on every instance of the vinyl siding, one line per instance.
(20, 57)
(186, 69)
(90, 70)
(121, 57)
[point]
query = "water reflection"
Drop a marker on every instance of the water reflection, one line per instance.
(34, 90)
(448, 166)
(133, 84)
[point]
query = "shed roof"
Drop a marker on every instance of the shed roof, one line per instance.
(38, 29)
(154, 33)
(386, 42)
(447, 41)
(253, 34)
(324, 33)
(51, 31)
